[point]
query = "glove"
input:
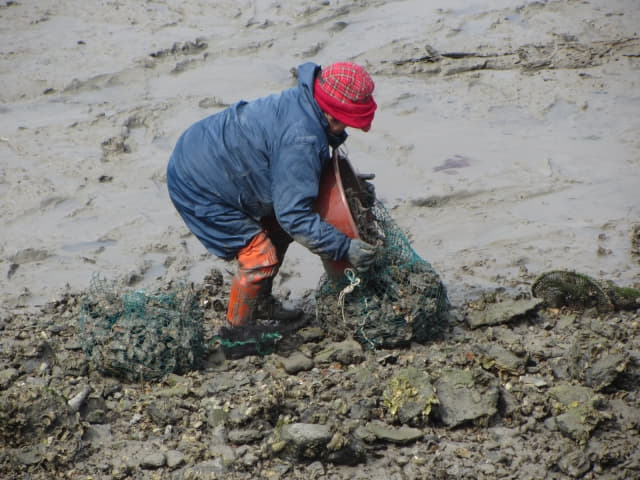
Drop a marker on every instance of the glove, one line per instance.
(368, 189)
(361, 254)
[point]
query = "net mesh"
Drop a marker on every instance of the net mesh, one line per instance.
(400, 299)
(140, 336)
(559, 288)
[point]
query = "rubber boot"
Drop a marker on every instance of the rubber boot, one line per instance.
(257, 264)
(267, 307)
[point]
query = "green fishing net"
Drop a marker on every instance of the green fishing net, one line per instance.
(400, 299)
(137, 335)
(559, 288)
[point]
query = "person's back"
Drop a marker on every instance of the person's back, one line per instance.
(243, 145)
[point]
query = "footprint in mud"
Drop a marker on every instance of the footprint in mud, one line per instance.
(28, 255)
(451, 164)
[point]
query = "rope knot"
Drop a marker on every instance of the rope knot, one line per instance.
(354, 281)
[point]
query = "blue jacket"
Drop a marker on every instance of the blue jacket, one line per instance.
(252, 160)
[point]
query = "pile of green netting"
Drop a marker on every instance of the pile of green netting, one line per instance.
(562, 288)
(139, 336)
(400, 299)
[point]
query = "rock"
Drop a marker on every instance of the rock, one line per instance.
(119, 469)
(575, 463)
(345, 450)
(565, 395)
(98, 435)
(249, 459)
(626, 415)
(218, 435)
(296, 362)
(7, 376)
(495, 356)
(95, 415)
(216, 416)
(241, 437)
(401, 435)
(29, 455)
(508, 337)
(533, 381)
(466, 395)
(175, 459)
(174, 391)
(361, 408)
(36, 415)
(311, 334)
(566, 322)
(73, 344)
(165, 412)
(560, 369)
(303, 440)
(347, 352)
(503, 435)
(595, 360)
(409, 396)
(221, 382)
(501, 312)
(508, 404)
(241, 414)
(306, 433)
(364, 434)
(225, 453)
(74, 365)
(78, 399)
(578, 422)
(152, 460)
(208, 470)
(315, 469)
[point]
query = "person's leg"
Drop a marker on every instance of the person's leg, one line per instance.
(259, 248)
(280, 240)
(257, 264)
(267, 306)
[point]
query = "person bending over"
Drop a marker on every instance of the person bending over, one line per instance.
(245, 180)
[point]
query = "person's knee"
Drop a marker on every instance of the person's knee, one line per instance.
(259, 254)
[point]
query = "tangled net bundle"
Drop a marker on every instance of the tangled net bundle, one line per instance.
(560, 288)
(138, 336)
(400, 299)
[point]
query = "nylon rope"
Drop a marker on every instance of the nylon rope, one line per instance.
(354, 281)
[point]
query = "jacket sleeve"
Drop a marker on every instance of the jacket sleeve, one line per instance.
(296, 175)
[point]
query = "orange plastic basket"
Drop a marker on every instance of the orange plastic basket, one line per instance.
(338, 180)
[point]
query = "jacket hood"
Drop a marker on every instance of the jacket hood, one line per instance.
(306, 78)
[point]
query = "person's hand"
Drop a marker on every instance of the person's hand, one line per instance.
(361, 254)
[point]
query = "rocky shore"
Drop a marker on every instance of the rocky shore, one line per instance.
(512, 389)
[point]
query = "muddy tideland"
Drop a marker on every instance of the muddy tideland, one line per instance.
(505, 146)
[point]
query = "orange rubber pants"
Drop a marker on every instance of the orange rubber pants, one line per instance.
(258, 263)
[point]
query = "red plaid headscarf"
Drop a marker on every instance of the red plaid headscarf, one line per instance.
(344, 90)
